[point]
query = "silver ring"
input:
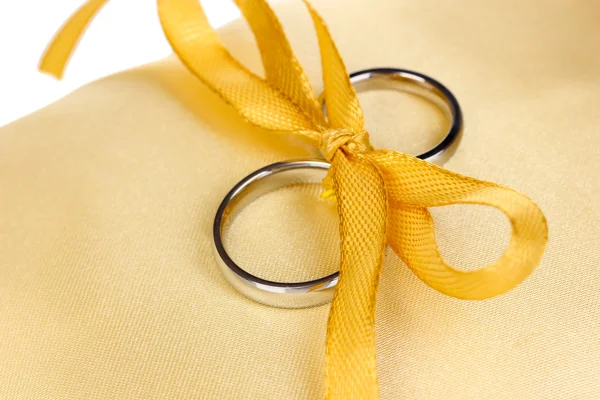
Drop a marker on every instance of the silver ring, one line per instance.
(258, 183)
(426, 87)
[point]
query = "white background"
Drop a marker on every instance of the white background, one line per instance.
(125, 33)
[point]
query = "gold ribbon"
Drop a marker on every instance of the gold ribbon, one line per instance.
(382, 195)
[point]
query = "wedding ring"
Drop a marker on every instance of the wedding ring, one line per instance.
(423, 86)
(255, 185)
(272, 177)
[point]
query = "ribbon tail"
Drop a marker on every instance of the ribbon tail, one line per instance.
(414, 185)
(199, 48)
(282, 68)
(343, 108)
(60, 49)
(350, 361)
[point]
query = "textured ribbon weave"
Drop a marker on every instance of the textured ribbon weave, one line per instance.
(382, 195)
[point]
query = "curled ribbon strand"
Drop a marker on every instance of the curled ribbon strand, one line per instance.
(383, 195)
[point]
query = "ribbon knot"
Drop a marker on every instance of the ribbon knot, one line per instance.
(353, 142)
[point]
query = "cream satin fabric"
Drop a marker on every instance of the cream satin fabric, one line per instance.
(108, 288)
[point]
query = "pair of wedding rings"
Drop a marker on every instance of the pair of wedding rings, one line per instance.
(275, 176)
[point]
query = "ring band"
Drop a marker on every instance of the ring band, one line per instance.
(258, 183)
(281, 174)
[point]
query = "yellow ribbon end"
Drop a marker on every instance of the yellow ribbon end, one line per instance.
(328, 193)
(60, 49)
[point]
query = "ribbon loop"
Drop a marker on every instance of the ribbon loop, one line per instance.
(414, 185)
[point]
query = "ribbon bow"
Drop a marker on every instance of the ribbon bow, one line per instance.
(382, 195)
